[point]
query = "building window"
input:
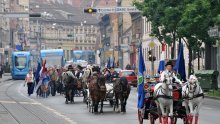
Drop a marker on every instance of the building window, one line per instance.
(93, 41)
(85, 48)
(80, 48)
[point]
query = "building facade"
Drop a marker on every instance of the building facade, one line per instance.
(64, 27)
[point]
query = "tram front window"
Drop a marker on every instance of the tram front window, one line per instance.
(77, 56)
(53, 60)
(20, 62)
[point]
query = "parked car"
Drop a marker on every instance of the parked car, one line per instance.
(130, 75)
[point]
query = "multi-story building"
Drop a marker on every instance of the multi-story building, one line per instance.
(64, 27)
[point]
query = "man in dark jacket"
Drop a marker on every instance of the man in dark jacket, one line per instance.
(114, 74)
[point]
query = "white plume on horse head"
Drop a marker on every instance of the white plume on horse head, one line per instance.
(193, 79)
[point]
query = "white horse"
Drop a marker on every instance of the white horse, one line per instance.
(193, 97)
(163, 93)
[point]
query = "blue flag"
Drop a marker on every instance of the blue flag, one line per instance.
(180, 64)
(109, 63)
(113, 63)
(37, 75)
(141, 70)
(161, 66)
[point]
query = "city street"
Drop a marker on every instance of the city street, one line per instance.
(17, 108)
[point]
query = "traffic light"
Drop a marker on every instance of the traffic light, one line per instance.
(35, 15)
(99, 54)
(150, 56)
(90, 10)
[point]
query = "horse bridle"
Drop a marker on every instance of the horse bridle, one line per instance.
(194, 87)
(167, 86)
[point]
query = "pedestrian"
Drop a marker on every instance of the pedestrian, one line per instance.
(113, 74)
(29, 81)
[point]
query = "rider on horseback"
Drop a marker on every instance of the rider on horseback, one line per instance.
(113, 74)
(79, 72)
(107, 74)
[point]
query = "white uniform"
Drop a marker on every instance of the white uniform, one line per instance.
(166, 72)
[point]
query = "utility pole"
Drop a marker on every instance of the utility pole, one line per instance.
(119, 31)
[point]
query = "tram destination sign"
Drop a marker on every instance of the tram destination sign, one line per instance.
(117, 10)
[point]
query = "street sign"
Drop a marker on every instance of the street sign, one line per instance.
(117, 10)
(151, 44)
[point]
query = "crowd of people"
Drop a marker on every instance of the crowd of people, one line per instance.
(53, 76)
(49, 76)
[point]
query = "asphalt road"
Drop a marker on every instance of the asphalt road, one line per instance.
(17, 107)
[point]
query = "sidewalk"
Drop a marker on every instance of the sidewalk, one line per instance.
(5, 77)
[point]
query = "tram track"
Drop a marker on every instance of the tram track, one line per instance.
(6, 92)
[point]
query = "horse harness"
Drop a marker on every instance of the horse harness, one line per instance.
(194, 96)
(164, 95)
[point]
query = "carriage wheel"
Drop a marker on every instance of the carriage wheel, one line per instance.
(140, 118)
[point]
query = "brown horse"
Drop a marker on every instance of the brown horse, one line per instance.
(121, 92)
(70, 85)
(97, 91)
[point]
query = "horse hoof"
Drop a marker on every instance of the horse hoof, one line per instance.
(66, 102)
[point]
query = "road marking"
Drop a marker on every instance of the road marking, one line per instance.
(48, 108)
(34, 103)
(8, 102)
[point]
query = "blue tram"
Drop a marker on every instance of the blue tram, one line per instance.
(21, 62)
(53, 57)
(87, 55)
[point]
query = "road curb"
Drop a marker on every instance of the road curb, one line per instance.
(212, 97)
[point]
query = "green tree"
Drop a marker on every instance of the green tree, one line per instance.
(198, 16)
(188, 20)
(164, 16)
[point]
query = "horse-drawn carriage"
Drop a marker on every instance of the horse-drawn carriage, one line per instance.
(150, 110)
(109, 96)
(157, 97)
(116, 91)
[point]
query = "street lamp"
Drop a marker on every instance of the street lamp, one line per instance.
(120, 59)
